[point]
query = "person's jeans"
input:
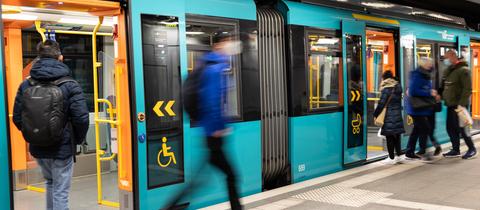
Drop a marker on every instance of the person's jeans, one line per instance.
(454, 131)
(58, 176)
(421, 129)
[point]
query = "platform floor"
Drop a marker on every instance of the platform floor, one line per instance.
(443, 184)
(83, 194)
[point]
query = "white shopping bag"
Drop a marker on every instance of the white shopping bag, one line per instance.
(464, 118)
(379, 134)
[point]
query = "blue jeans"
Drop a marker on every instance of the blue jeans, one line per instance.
(58, 175)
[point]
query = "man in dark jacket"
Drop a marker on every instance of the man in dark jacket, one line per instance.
(56, 161)
(456, 90)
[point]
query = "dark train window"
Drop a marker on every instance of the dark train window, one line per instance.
(323, 69)
(200, 34)
(441, 66)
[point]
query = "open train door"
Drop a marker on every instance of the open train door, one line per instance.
(353, 44)
(157, 31)
(5, 191)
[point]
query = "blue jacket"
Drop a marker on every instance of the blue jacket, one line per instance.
(75, 108)
(419, 85)
(211, 91)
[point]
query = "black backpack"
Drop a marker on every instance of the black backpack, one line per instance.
(191, 97)
(43, 117)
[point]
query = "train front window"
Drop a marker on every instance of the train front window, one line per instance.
(200, 36)
(324, 61)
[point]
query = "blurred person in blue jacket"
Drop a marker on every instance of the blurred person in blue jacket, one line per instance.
(212, 90)
(420, 85)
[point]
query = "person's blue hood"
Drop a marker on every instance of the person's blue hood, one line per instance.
(215, 57)
(47, 69)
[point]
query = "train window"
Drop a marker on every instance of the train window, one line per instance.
(200, 36)
(324, 66)
(441, 66)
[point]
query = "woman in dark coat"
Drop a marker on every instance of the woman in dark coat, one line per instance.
(393, 124)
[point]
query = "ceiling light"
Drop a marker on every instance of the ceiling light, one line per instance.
(327, 41)
(19, 17)
(417, 13)
(378, 5)
(83, 21)
(439, 16)
(169, 23)
(195, 32)
(342, 0)
(6, 9)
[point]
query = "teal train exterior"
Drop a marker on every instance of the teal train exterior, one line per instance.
(315, 143)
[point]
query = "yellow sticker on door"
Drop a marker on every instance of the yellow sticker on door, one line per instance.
(166, 154)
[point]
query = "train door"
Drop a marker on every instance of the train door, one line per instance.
(158, 40)
(5, 193)
(93, 44)
(475, 67)
(381, 54)
(355, 145)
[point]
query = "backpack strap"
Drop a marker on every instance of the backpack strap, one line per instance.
(62, 80)
(32, 81)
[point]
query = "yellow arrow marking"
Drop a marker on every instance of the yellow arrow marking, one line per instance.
(353, 95)
(358, 95)
(168, 108)
(157, 107)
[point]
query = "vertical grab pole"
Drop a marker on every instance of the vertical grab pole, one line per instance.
(96, 64)
(40, 30)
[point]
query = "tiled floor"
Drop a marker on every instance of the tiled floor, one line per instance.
(83, 194)
(445, 184)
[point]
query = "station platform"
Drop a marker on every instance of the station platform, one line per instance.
(440, 184)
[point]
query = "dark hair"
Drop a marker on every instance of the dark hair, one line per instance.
(221, 35)
(388, 75)
(49, 49)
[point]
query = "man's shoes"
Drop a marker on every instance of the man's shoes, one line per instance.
(470, 154)
(412, 157)
(438, 150)
(452, 154)
(420, 153)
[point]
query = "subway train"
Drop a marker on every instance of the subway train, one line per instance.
(299, 97)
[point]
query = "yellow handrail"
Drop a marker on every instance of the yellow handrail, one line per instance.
(40, 30)
(95, 98)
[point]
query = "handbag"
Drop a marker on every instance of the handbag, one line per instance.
(380, 119)
(422, 102)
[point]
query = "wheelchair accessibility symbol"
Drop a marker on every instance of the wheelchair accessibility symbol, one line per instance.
(164, 153)
(356, 124)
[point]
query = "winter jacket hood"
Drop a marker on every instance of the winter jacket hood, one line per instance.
(48, 69)
(388, 83)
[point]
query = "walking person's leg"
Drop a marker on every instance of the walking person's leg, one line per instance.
(62, 171)
(46, 167)
(412, 140)
(219, 160)
(391, 146)
(453, 132)
(432, 122)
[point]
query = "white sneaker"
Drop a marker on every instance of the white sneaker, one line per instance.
(389, 161)
(399, 159)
